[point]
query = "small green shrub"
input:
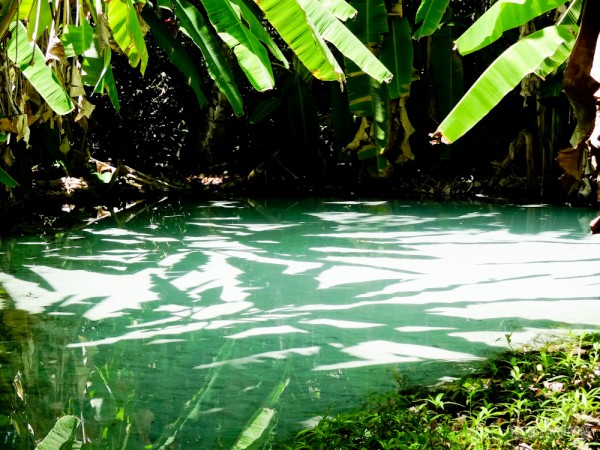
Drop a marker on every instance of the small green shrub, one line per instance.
(530, 398)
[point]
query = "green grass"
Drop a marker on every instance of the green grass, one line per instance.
(545, 397)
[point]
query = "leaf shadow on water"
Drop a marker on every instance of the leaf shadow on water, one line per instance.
(218, 315)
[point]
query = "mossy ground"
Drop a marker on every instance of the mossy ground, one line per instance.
(532, 398)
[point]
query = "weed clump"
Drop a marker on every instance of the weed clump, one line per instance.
(526, 399)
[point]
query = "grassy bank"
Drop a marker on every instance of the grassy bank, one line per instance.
(543, 397)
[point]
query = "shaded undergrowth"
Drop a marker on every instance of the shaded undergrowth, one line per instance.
(544, 397)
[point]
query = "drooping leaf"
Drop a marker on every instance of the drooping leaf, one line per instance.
(264, 109)
(298, 31)
(62, 435)
(39, 19)
(96, 71)
(397, 55)
(446, 72)
(77, 39)
(254, 431)
(260, 32)
(176, 53)
(261, 420)
(6, 179)
(430, 12)
(252, 57)
(332, 30)
(340, 9)
(32, 63)
(370, 22)
(503, 15)
(572, 14)
(127, 32)
(368, 98)
(540, 50)
(194, 26)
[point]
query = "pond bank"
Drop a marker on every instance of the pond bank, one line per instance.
(530, 398)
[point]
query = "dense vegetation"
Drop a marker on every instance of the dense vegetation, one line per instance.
(347, 95)
(531, 398)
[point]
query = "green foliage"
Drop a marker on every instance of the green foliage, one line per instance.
(542, 52)
(252, 57)
(96, 72)
(127, 32)
(193, 25)
(530, 398)
(7, 180)
(294, 26)
(397, 54)
(430, 13)
(332, 30)
(176, 53)
(502, 16)
(32, 64)
(77, 39)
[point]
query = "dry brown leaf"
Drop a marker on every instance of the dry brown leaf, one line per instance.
(76, 86)
(407, 154)
(85, 108)
(7, 125)
(103, 31)
(23, 128)
(569, 159)
(56, 49)
(8, 157)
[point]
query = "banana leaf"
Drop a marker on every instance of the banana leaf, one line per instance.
(332, 30)
(7, 180)
(252, 57)
(340, 9)
(397, 54)
(572, 14)
(194, 26)
(77, 39)
(298, 31)
(446, 72)
(371, 21)
(366, 96)
(430, 12)
(38, 19)
(62, 435)
(176, 52)
(30, 59)
(264, 109)
(127, 32)
(540, 51)
(262, 418)
(260, 32)
(502, 16)
(96, 71)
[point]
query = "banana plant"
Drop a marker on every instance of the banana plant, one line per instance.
(540, 53)
(80, 40)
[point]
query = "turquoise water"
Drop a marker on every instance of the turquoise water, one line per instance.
(184, 323)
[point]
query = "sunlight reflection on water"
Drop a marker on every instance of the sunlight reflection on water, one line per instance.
(333, 295)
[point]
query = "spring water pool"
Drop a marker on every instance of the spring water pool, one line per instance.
(186, 325)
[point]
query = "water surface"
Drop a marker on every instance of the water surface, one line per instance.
(188, 323)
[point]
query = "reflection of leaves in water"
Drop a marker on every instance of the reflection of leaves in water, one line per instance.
(62, 435)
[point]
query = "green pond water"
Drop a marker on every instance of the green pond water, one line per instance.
(183, 324)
